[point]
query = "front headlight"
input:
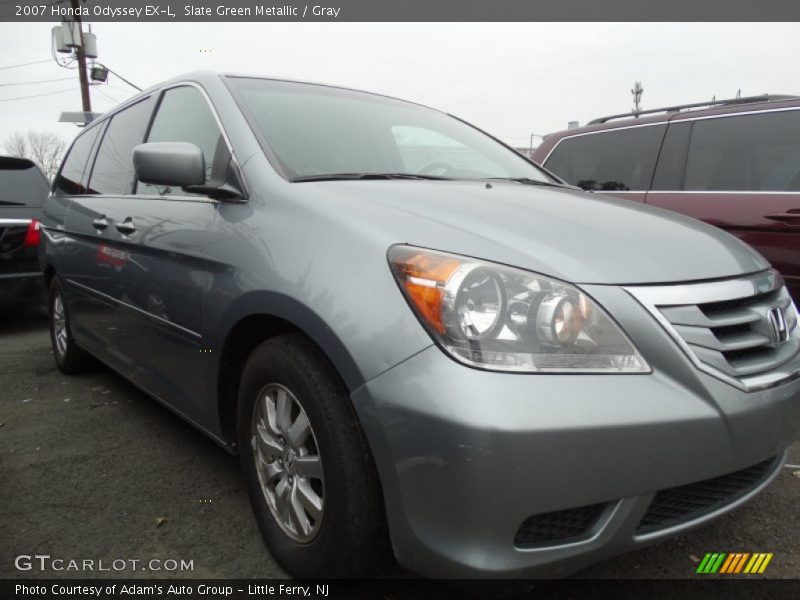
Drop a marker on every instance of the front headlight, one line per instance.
(505, 319)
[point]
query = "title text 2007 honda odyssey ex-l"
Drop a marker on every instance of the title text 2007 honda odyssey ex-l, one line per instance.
(417, 340)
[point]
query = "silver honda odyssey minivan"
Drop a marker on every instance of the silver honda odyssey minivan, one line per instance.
(420, 344)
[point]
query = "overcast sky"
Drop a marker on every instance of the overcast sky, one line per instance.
(512, 79)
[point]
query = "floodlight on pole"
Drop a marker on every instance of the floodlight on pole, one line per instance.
(99, 73)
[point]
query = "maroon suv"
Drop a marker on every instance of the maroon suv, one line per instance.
(734, 164)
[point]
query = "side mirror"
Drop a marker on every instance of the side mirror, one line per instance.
(177, 164)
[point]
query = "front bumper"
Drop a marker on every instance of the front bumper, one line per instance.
(466, 456)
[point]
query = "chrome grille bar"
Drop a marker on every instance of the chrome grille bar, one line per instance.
(725, 327)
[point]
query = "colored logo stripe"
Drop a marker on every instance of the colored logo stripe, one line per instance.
(732, 559)
(758, 563)
(711, 562)
(735, 562)
(721, 562)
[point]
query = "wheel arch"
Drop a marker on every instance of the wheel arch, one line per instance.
(248, 325)
(48, 272)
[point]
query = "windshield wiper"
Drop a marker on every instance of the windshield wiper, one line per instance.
(528, 181)
(360, 176)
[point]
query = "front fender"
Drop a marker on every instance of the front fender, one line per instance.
(299, 315)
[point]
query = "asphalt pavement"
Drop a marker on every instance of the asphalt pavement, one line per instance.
(91, 468)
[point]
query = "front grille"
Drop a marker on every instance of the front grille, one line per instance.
(688, 502)
(725, 326)
(558, 527)
(735, 336)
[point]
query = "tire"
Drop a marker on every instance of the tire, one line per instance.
(70, 359)
(350, 539)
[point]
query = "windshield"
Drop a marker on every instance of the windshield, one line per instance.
(316, 131)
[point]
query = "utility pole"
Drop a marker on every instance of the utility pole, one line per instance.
(87, 101)
(530, 149)
(637, 92)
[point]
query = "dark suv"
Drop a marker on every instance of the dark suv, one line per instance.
(734, 164)
(23, 190)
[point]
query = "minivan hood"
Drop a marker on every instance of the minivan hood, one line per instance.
(567, 234)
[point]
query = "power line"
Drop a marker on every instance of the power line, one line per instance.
(122, 78)
(33, 82)
(36, 62)
(118, 89)
(104, 95)
(36, 95)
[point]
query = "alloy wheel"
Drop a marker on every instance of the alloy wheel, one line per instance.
(288, 463)
(59, 325)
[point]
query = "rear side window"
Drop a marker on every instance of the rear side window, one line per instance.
(612, 160)
(759, 152)
(113, 168)
(672, 159)
(70, 180)
(183, 116)
(21, 183)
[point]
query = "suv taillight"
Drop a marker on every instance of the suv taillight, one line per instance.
(33, 236)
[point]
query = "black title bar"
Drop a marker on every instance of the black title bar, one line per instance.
(405, 10)
(697, 588)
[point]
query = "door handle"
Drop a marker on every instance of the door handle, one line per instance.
(790, 218)
(100, 222)
(126, 227)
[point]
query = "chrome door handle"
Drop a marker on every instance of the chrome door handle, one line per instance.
(100, 222)
(127, 227)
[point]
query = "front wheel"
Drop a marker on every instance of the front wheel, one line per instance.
(308, 469)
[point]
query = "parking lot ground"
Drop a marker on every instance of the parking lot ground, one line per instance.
(92, 468)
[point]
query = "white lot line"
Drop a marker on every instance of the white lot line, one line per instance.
(788, 466)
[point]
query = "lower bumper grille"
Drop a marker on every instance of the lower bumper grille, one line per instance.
(688, 502)
(558, 527)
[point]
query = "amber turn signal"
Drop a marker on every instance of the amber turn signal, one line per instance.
(423, 276)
